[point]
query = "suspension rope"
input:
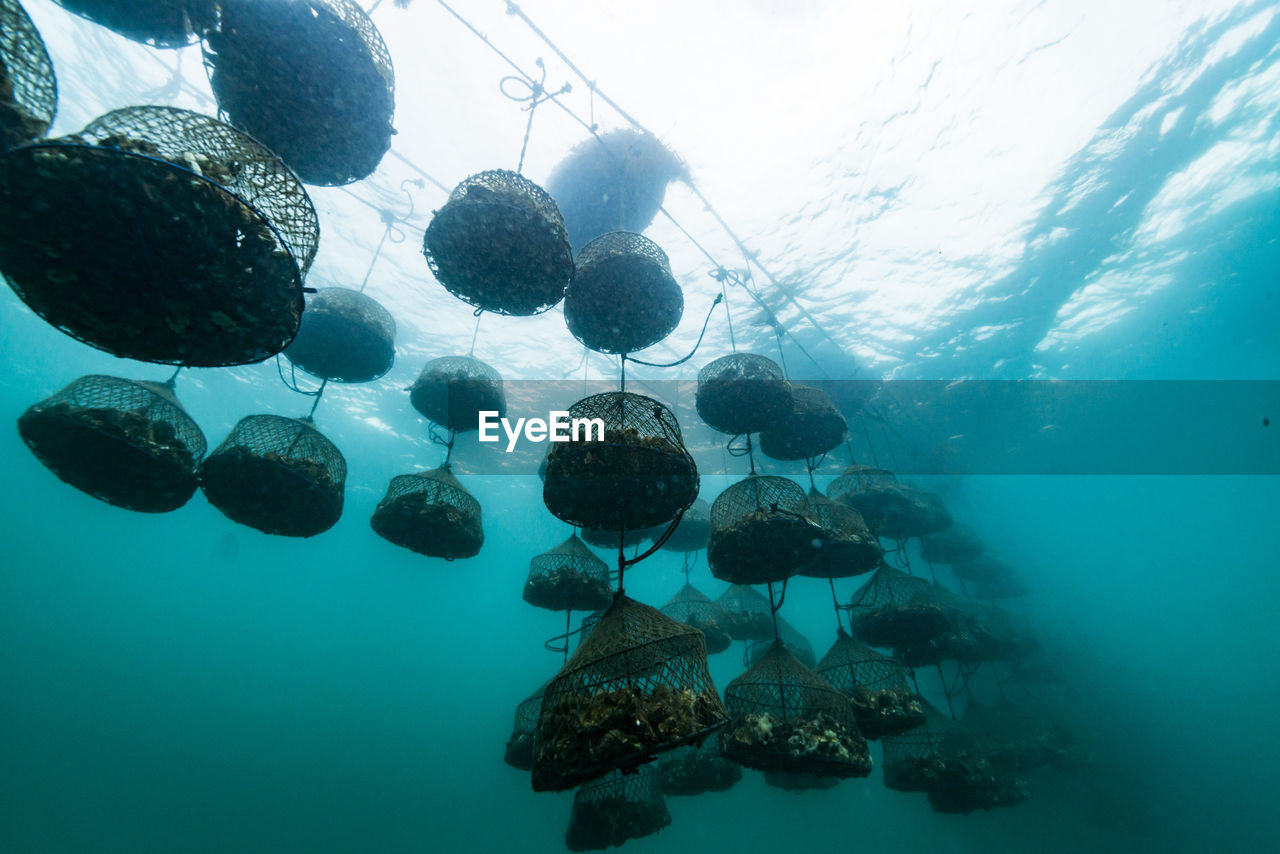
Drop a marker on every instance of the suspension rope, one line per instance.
(475, 333)
(446, 443)
(696, 345)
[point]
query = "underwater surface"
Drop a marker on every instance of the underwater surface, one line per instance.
(1070, 209)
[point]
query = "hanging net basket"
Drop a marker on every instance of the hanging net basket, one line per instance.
(694, 530)
(452, 391)
(799, 782)
(990, 578)
(499, 244)
(519, 752)
(811, 428)
(944, 759)
(623, 297)
(431, 514)
(794, 642)
(697, 769)
(747, 614)
(639, 476)
(128, 443)
(345, 337)
(158, 23)
(199, 241)
(889, 508)
(311, 79)
(860, 480)
(692, 608)
(784, 717)
(28, 89)
(568, 578)
(956, 544)
(932, 626)
(743, 393)
(883, 702)
(760, 531)
(1017, 738)
(278, 475)
(609, 811)
(637, 686)
(847, 547)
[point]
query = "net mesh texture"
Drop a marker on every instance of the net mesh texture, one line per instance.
(623, 297)
(743, 393)
(760, 532)
(568, 578)
(28, 88)
(345, 337)
(431, 514)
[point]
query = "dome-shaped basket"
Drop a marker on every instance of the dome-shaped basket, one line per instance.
(859, 480)
(430, 513)
(623, 297)
(311, 79)
(128, 443)
(887, 586)
(28, 88)
(890, 509)
(811, 428)
(1017, 738)
(743, 393)
(499, 244)
(637, 686)
(568, 578)
(345, 337)
(784, 717)
(760, 531)
(692, 608)
(747, 616)
(196, 250)
(618, 807)
(694, 530)
(933, 625)
(697, 769)
(883, 702)
(639, 476)
(799, 782)
(957, 544)
(848, 547)
(158, 23)
(278, 475)
(519, 752)
(452, 391)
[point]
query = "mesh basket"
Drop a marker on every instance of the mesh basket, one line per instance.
(568, 578)
(28, 89)
(345, 337)
(931, 620)
(990, 578)
(431, 514)
(784, 717)
(887, 586)
(452, 391)
(747, 615)
(799, 782)
(811, 428)
(127, 443)
(697, 769)
(743, 393)
(311, 79)
(890, 509)
(883, 702)
(158, 23)
(199, 239)
(637, 686)
(796, 644)
(847, 549)
(859, 480)
(609, 811)
(694, 530)
(499, 244)
(944, 759)
(956, 544)
(639, 476)
(1017, 738)
(623, 297)
(760, 532)
(519, 752)
(278, 475)
(692, 608)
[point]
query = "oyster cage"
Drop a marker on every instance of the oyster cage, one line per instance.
(956, 544)
(609, 811)
(345, 337)
(568, 578)
(28, 88)
(226, 231)
(623, 297)
(883, 701)
(694, 530)
(697, 769)
(747, 615)
(158, 23)
(638, 685)
(890, 509)
(519, 752)
(743, 393)
(760, 531)
(847, 548)
(639, 476)
(499, 244)
(431, 514)
(128, 443)
(784, 717)
(691, 607)
(811, 428)
(452, 391)
(312, 79)
(278, 475)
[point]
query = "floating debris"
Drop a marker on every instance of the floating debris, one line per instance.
(431, 514)
(743, 393)
(568, 578)
(345, 337)
(452, 391)
(623, 297)
(28, 88)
